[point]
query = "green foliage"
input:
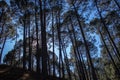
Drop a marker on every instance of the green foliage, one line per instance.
(73, 27)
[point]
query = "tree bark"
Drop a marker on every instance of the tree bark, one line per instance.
(29, 34)
(24, 43)
(105, 27)
(117, 4)
(86, 46)
(113, 62)
(1, 53)
(53, 44)
(66, 61)
(37, 46)
(43, 38)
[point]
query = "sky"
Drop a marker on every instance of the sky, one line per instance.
(10, 44)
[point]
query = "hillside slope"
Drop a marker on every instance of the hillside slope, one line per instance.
(13, 73)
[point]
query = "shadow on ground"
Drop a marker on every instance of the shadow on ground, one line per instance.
(13, 73)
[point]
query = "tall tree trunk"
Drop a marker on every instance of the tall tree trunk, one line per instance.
(113, 62)
(49, 63)
(117, 4)
(43, 37)
(53, 44)
(61, 66)
(29, 34)
(86, 45)
(58, 33)
(24, 37)
(105, 27)
(16, 64)
(2, 14)
(32, 56)
(37, 46)
(24, 43)
(1, 53)
(2, 30)
(84, 67)
(60, 42)
(78, 53)
(3, 42)
(114, 51)
(76, 56)
(66, 61)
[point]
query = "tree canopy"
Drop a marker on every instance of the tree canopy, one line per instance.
(69, 39)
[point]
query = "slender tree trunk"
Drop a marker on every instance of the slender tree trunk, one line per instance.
(24, 44)
(49, 64)
(58, 33)
(84, 67)
(66, 61)
(60, 42)
(2, 30)
(2, 13)
(24, 37)
(78, 53)
(43, 37)
(117, 4)
(3, 42)
(37, 46)
(86, 46)
(76, 57)
(29, 34)
(105, 27)
(16, 64)
(1, 53)
(113, 62)
(53, 44)
(32, 56)
(114, 51)
(61, 66)
(19, 58)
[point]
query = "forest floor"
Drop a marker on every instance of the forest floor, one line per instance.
(13, 73)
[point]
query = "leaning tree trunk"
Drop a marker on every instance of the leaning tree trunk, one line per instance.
(117, 4)
(105, 27)
(59, 41)
(2, 30)
(78, 53)
(2, 49)
(66, 60)
(76, 56)
(94, 76)
(114, 51)
(3, 42)
(2, 14)
(113, 62)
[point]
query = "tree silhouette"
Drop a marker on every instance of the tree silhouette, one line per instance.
(60, 39)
